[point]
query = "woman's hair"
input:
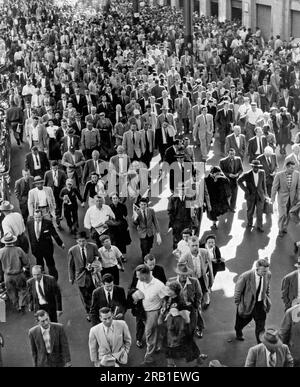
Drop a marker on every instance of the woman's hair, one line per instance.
(175, 287)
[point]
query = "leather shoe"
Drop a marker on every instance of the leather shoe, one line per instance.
(239, 336)
(206, 306)
(249, 225)
(139, 344)
(88, 318)
(295, 248)
(259, 229)
(281, 234)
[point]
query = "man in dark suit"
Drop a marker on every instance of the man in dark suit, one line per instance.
(49, 343)
(290, 286)
(253, 183)
(257, 144)
(232, 167)
(71, 139)
(78, 124)
(95, 164)
(265, 94)
(56, 179)
(108, 295)
(224, 121)
(252, 298)
(22, 187)
(44, 293)
(171, 152)
(137, 310)
(78, 100)
(287, 101)
(40, 232)
(157, 90)
(37, 162)
(269, 162)
(80, 259)
(147, 225)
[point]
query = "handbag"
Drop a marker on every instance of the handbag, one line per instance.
(268, 207)
(219, 266)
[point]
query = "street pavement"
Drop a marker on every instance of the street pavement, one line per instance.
(240, 248)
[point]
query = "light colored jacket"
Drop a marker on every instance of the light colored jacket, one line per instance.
(33, 200)
(202, 128)
(289, 288)
(257, 357)
(284, 193)
(99, 346)
(290, 331)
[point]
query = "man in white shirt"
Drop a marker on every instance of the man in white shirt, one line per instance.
(96, 219)
(151, 291)
(253, 117)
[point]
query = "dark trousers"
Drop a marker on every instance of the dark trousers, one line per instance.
(258, 315)
(269, 189)
(140, 328)
(234, 190)
(50, 311)
(88, 153)
(251, 205)
(24, 211)
(146, 245)
(114, 271)
(71, 215)
(86, 296)
(200, 320)
(58, 201)
(43, 254)
(23, 242)
(146, 158)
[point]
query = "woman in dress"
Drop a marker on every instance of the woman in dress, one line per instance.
(121, 228)
(173, 328)
(284, 121)
(53, 142)
(95, 186)
(219, 192)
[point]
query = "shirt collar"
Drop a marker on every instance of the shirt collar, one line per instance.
(45, 330)
(188, 282)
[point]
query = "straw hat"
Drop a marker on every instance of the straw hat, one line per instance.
(6, 206)
(270, 337)
(9, 238)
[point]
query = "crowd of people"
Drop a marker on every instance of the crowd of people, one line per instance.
(113, 108)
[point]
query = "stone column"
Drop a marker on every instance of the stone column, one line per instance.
(249, 14)
(188, 21)
(205, 7)
(278, 17)
(224, 10)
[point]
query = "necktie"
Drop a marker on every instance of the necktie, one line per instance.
(83, 256)
(145, 217)
(109, 298)
(232, 165)
(95, 164)
(272, 361)
(41, 290)
(258, 289)
(205, 119)
(37, 161)
(55, 179)
(133, 139)
(269, 162)
(146, 139)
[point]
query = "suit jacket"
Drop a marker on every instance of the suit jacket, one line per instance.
(114, 164)
(99, 301)
(170, 155)
(193, 291)
(78, 105)
(29, 164)
(151, 140)
(168, 118)
(78, 129)
(290, 105)
(206, 267)
(89, 167)
(60, 353)
(257, 357)
(224, 122)
(202, 128)
(250, 189)
(290, 331)
(42, 137)
(45, 240)
(51, 291)
(68, 162)
(20, 190)
(74, 140)
(128, 145)
(268, 168)
(76, 268)
(147, 229)
(245, 293)
(284, 193)
(61, 178)
(230, 142)
(289, 288)
(119, 348)
(265, 98)
(160, 101)
(252, 147)
(237, 167)
(157, 91)
(33, 200)
(183, 110)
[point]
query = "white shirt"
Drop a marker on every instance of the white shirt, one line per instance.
(35, 133)
(94, 216)
(111, 293)
(183, 247)
(51, 130)
(237, 139)
(259, 146)
(13, 223)
(154, 292)
(55, 177)
(197, 265)
(268, 354)
(42, 301)
(254, 116)
(257, 279)
(244, 109)
(256, 176)
(42, 198)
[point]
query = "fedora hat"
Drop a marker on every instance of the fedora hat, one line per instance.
(270, 337)
(256, 163)
(38, 179)
(9, 238)
(182, 268)
(297, 264)
(6, 206)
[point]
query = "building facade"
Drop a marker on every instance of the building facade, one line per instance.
(273, 17)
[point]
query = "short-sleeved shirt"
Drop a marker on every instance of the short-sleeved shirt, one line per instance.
(109, 257)
(154, 293)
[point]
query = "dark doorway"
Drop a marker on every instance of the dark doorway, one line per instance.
(215, 8)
